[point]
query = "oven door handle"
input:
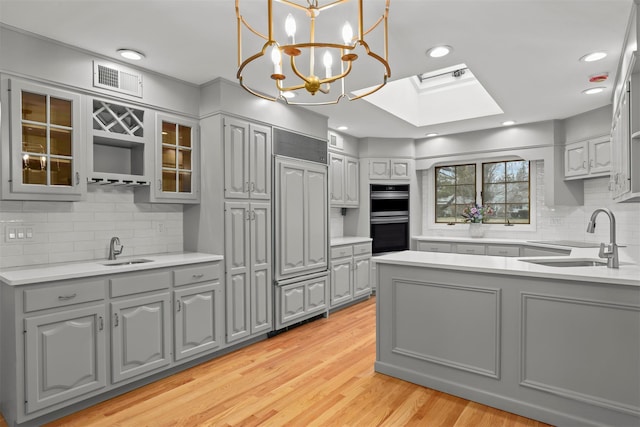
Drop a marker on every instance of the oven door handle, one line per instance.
(390, 195)
(390, 220)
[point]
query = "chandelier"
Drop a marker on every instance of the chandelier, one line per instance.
(312, 70)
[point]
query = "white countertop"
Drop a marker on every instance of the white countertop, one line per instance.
(558, 244)
(627, 274)
(73, 270)
(349, 240)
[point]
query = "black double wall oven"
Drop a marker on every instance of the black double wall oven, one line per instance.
(389, 218)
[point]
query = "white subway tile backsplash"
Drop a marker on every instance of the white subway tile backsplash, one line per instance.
(79, 231)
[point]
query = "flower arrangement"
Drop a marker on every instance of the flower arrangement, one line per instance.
(475, 213)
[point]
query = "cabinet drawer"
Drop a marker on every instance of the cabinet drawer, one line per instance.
(341, 251)
(63, 295)
(503, 250)
(471, 249)
(196, 274)
(434, 247)
(362, 249)
(140, 282)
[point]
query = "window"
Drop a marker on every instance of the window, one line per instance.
(505, 187)
(455, 189)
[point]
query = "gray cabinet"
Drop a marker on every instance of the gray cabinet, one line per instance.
(140, 335)
(350, 273)
(587, 159)
(42, 155)
(301, 300)
(248, 269)
(197, 327)
(247, 160)
(396, 169)
(491, 249)
(302, 219)
(344, 180)
(65, 356)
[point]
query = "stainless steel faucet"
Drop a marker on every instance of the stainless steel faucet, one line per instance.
(611, 250)
(113, 252)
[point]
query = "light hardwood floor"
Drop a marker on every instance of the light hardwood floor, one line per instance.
(318, 374)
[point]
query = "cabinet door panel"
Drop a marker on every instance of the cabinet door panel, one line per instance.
(341, 282)
(336, 178)
(260, 162)
(399, 169)
(316, 218)
(291, 221)
(238, 306)
(599, 156)
(196, 329)
(53, 373)
(140, 335)
(236, 159)
(379, 169)
(575, 159)
(261, 297)
(352, 182)
(316, 295)
(292, 303)
(361, 276)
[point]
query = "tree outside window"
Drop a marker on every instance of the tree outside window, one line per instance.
(455, 190)
(505, 187)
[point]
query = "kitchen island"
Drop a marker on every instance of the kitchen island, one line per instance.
(557, 344)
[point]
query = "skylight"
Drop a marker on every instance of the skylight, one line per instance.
(442, 96)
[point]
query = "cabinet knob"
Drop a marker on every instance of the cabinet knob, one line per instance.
(178, 305)
(100, 323)
(115, 320)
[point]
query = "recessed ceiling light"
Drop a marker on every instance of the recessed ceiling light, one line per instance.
(508, 123)
(130, 54)
(595, 56)
(343, 127)
(432, 134)
(439, 51)
(288, 94)
(593, 90)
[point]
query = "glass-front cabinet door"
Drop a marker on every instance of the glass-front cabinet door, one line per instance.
(178, 175)
(45, 141)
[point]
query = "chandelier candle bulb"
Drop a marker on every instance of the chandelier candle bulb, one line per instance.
(290, 28)
(328, 61)
(347, 33)
(276, 58)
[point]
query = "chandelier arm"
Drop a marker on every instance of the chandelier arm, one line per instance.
(292, 4)
(296, 71)
(250, 28)
(327, 6)
(373, 27)
(289, 88)
(339, 76)
(380, 59)
(375, 89)
(251, 58)
(253, 92)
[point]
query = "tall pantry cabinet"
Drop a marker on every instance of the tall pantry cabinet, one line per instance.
(247, 217)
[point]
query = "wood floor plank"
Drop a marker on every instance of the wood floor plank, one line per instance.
(319, 374)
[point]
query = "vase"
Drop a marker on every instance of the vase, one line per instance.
(476, 229)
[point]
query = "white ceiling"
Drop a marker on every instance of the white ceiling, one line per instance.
(524, 52)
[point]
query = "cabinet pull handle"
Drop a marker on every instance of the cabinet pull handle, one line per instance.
(197, 276)
(77, 178)
(253, 215)
(246, 186)
(159, 184)
(584, 164)
(117, 322)
(253, 187)
(179, 305)
(248, 216)
(100, 323)
(66, 297)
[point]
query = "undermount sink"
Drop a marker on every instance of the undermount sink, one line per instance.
(567, 262)
(127, 262)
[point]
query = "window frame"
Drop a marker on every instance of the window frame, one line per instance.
(428, 181)
(505, 182)
(435, 192)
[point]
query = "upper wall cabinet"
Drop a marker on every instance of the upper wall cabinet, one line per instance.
(587, 159)
(344, 181)
(247, 160)
(399, 169)
(44, 151)
(177, 162)
(119, 144)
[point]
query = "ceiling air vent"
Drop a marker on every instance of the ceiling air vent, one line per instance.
(117, 79)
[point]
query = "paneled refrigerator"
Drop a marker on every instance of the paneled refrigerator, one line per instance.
(301, 228)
